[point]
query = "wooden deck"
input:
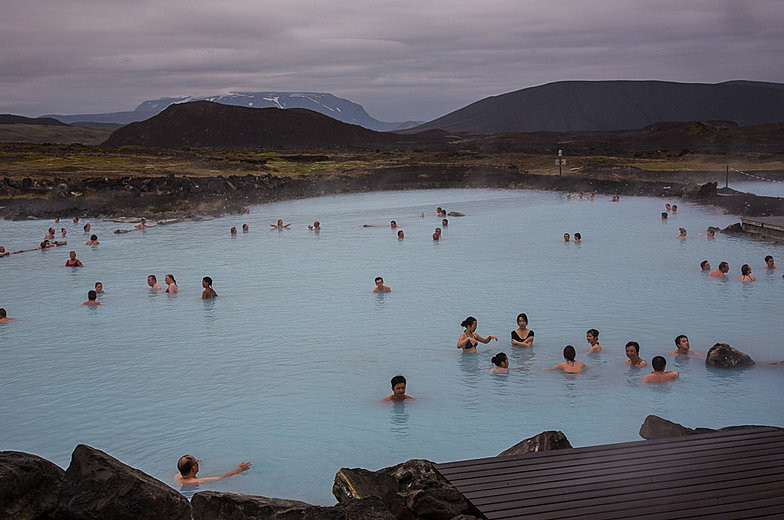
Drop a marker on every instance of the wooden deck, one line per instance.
(766, 227)
(736, 474)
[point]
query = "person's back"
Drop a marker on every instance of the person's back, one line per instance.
(659, 374)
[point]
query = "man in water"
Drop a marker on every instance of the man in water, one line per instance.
(400, 234)
(91, 299)
(141, 224)
(436, 236)
(705, 265)
(152, 281)
(398, 390)
(578, 238)
(683, 348)
(393, 224)
(721, 272)
(592, 337)
(633, 353)
(3, 252)
(380, 287)
(4, 317)
(87, 228)
(444, 222)
(659, 374)
(770, 263)
(188, 467)
(245, 228)
(566, 237)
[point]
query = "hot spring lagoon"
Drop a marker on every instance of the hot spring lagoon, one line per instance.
(287, 367)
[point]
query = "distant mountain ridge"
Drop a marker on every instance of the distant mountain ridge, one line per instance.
(11, 119)
(324, 103)
(605, 106)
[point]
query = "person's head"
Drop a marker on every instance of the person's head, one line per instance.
(592, 336)
(435, 237)
(44, 244)
(769, 261)
(522, 320)
(664, 215)
(668, 207)
(245, 227)
(745, 270)
(76, 219)
(3, 313)
(724, 267)
(51, 231)
(170, 279)
(2, 249)
(682, 231)
(705, 265)
(87, 227)
(188, 465)
(280, 221)
(92, 295)
(468, 323)
(392, 223)
(438, 230)
(566, 237)
(710, 232)
(233, 230)
(682, 342)
(398, 385)
(93, 237)
(316, 224)
(400, 234)
(98, 287)
(569, 353)
(578, 236)
(658, 363)
(675, 207)
(444, 222)
(501, 360)
(379, 281)
(63, 231)
(206, 282)
(632, 349)
(72, 254)
(144, 220)
(151, 280)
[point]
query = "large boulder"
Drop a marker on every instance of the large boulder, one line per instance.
(545, 441)
(436, 500)
(371, 508)
(353, 483)
(98, 486)
(29, 486)
(655, 427)
(722, 355)
(213, 505)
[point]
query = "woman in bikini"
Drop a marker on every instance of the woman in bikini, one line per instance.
(172, 284)
(469, 338)
(208, 291)
(522, 336)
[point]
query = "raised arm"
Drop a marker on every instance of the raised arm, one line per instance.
(484, 340)
(242, 466)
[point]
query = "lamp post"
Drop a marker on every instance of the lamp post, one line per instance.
(560, 161)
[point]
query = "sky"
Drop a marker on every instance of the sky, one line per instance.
(401, 59)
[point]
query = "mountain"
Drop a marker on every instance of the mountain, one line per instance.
(327, 104)
(10, 119)
(615, 105)
(204, 123)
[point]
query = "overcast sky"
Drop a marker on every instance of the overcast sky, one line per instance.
(400, 59)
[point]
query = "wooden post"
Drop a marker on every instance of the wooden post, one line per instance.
(727, 178)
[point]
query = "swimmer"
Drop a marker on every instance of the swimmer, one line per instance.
(469, 338)
(380, 287)
(188, 466)
(208, 291)
(398, 390)
(633, 353)
(438, 230)
(75, 220)
(73, 261)
(245, 228)
(578, 238)
(615, 198)
(91, 297)
(393, 224)
(3, 252)
(659, 374)
(49, 234)
(93, 241)
(721, 272)
(592, 337)
(4, 316)
(280, 225)
(501, 362)
(400, 234)
(141, 224)
(682, 235)
(770, 263)
(233, 230)
(710, 233)
(56, 220)
(745, 274)
(566, 237)
(522, 336)
(171, 283)
(98, 288)
(45, 245)
(664, 215)
(87, 227)
(152, 281)
(436, 236)
(63, 232)
(316, 226)
(444, 222)
(570, 366)
(705, 265)
(668, 207)
(422, 215)
(683, 347)
(674, 209)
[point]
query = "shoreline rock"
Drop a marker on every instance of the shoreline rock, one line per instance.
(721, 355)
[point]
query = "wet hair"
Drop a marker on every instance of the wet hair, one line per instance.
(635, 345)
(468, 321)
(658, 363)
(391, 222)
(578, 236)
(397, 380)
(86, 227)
(185, 464)
(72, 253)
(522, 315)
(92, 295)
(233, 229)
(98, 283)
(172, 278)
(682, 230)
(2, 313)
(593, 332)
(400, 233)
(723, 265)
(569, 353)
(499, 358)
(444, 222)
(703, 263)
(745, 269)
(93, 237)
(435, 236)
(768, 258)
(208, 280)
(154, 279)
(44, 244)
(674, 206)
(379, 278)
(678, 339)
(664, 215)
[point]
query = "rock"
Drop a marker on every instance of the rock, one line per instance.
(371, 508)
(212, 505)
(545, 441)
(29, 486)
(733, 228)
(353, 483)
(722, 355)
(437, 500)
(412, 472)
(98, 486)
(456, 214)
(700, 192)
(655, 427)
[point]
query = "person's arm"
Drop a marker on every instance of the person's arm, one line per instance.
(485, 340)
(465, 338)
(242, 466)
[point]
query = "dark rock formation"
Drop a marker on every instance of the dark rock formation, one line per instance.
(98, 486)
(29, 486)
(655, 427)
(703, 192)
(361, 483)
(371, 508)
(212, 505)
(545, 441)
(733, 228)
(722, 355)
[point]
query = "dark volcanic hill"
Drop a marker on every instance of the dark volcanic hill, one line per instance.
(203, 123)
(615, 105)
(10, 119)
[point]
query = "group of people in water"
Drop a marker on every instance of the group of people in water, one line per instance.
(745, 270)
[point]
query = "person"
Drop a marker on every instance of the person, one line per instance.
(46, 245)
(98, 288)
(615, 198)
(208, 292)
(316, 226)
(469, 338)
(73, 261)
(668, 207)
(380, 287)
(152, 281)
(745, 274)
(393, 224)
(664, 215)
(710, 233)
(233, 230)
(400, 234)
(3, 252)
(770, 263)
(578, 238)
(633, 353)
(683, 347)
(4, 316)
(438, 230)
(56, 220)
(91, 299)
(49, 234)
(280, 224)
(522, 336)
(592, 337)
(245, 228)
(436, 236)
(566, 237)
(141, 224)
(171, 284)
(674, 209)
(188, 467)
(444, 222)
(422, 215)
(87, 227)
(93, 241)
(75, 219)
(705, 265)
(721, 272)
(398, 390)
(682, 235)
(63, 232)
(570, 366)
(659, 374)
(501, 362)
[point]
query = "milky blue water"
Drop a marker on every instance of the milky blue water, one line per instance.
(767, 189)
(287, 367)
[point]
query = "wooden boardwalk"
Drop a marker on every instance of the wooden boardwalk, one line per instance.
(766, 227)
(735, 474)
